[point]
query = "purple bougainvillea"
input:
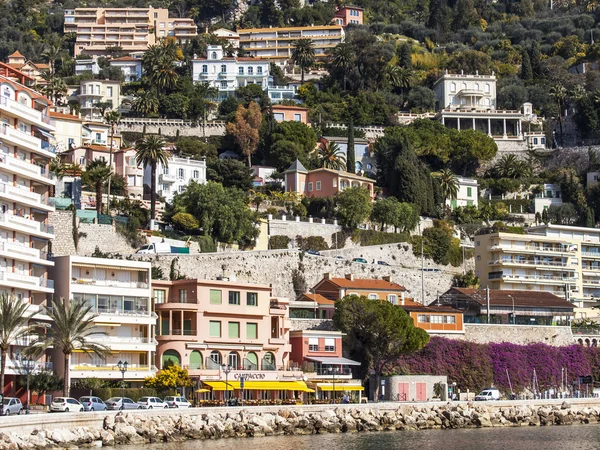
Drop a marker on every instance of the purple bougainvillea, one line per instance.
(475, 366)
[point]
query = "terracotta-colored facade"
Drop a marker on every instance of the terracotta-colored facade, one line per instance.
(378, 289)
(436, 319)
(127, 167)
(323, 182)
(284, 113)
(307, 343)
(349, 15)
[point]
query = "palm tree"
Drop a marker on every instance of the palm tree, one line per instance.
(73, 329)
(14, 321)
(449, 184)
(111, 118)
(52, 53)
(399, 77)
(145, 103)
(95, 174)
(332, 157)
(559, 93)
(158, 62)
(342, 57)
(303, 55)
(151, 152)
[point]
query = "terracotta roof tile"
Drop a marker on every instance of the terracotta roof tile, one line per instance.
(16, 54)
(501, 297)
(366, 283)
(318, 298)
(59, 115)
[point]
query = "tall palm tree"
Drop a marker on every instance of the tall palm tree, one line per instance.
(303, 55)
(449, 184)
(112, 118)
(559, 93)
(72, 330)
(342, 57)
(151, 152)
(332, 157)
(52, 53)
(14, 321)
(95, 175)
(159, 63)
(399, 77)
(146, 103)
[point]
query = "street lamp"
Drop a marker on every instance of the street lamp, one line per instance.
(27, 366)
(226, 369)
(123, 368)
(334, 370)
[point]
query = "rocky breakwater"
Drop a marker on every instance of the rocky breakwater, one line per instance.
(135, 428)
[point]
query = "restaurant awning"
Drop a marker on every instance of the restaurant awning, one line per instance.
(258, 385)
(333, 360)
(340, 387)
(202, 391)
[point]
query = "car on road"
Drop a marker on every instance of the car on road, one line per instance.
(92, 404)
(313, 252)
(151, 403)
(382, 263)
(115, 403)
(339, 257)
(177, 402)
(488, 394)
(431, 269)
(360, 260)
(11, 405)
(65, 404)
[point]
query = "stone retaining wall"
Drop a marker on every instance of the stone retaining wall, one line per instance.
(140, 427)
(516, 334)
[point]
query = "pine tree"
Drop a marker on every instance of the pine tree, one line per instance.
(350, 157)
(526, 71)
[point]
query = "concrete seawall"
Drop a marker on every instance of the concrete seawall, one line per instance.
(43, 431)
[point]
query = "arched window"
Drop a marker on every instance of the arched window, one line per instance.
(195, 360)
(233, 359)
(171, 355)
(487, 88)
(251, 361)
(204, 68)
(476, 86)
(452, 87)
(214, 55)
(196, 174)
(268, 361)
(223, 68)
(215, 357)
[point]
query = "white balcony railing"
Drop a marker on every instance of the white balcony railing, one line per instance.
(113, 367)
(112, 283)
(528, 262)
(25, 139)
(23, 193)
(23, 166)
(13, 277)
(21, 249)
(108, 340)
(24, 111)
(30, 224)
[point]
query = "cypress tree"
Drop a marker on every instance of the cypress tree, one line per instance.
(405, 56)
(526, 70)
(535, 58)
(350, 157)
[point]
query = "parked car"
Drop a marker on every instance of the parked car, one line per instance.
(431, 269)
(488, 394)
(339, 257)
(92, 404)
(115, 403)
(382, 263)
(360, 260)
(11, 405)
(313, 252)
(66, 404)
(177, 402)
(151, 403)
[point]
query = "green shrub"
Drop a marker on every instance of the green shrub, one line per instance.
(207, 245)
(279, 242)
(312, 243)
(373, 237)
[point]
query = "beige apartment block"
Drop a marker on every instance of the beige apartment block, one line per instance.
(120, 295)
(132, 29)
(278, 43)
(563, 260)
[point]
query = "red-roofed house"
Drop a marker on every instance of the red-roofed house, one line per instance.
(347, 15)
(34, 70)
(284, 113)
(385, 289)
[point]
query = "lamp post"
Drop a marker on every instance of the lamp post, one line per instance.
(226, 369)
(27, 363)
(123, 368)
(334, 370)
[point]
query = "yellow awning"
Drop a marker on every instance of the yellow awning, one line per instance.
(309, 390)
(259, 385)
(202, 391)
(340, 387)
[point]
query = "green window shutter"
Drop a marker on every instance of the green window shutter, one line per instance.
(251, 331)
(469, 192)
(454, 203)
(251, 299)
(234, 330)
(215, 297)
(215, 328)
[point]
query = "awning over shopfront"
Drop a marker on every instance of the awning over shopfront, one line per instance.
(258, 385)
(333, 360)
(340, 387)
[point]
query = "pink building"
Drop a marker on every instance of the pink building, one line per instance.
(284, 113)
(224, 331)
(323, 182)
(127, 167)
(347, 15)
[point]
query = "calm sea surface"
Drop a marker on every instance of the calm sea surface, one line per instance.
(582, 437)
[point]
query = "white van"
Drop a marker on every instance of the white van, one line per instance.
(155, 247)
(488, 394)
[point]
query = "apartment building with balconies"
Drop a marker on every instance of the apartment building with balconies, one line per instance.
(227, 73)
(563, 260)
(132, 29)
(277, 44)
(206, 325)
(96, 96)
(119, 292)
(176, 175)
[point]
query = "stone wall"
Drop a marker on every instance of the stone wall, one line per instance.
(292, 228)
(76, 430)
(516, 334)
(292, 273)
(170, 127)
(312, 324)
(105, 237)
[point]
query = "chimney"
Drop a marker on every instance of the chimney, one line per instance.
(349, 276)
(327, 276)
(387, 278)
